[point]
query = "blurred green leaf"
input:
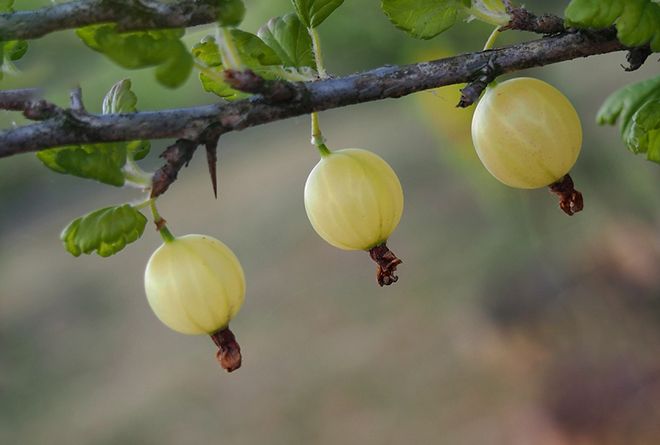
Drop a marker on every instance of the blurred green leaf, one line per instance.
(253, 51)
(101, 162)
(637, 21)
(106, 231)
(637, 107)
(644, 134)
(231, 12)
(290, 40)
(10, 50)
(141, 49)
(6, 6)
(313, 12)
(488, 11)
(423, 19)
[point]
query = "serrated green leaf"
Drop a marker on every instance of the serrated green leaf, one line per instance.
(106, 231)
(101, 162)
(422, 19)
(637, 109)
(290, 40)
(313, 12)
(231, 12)
(637, 21)
(141, 49)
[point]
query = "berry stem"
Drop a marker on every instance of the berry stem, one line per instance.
(387, 263)
(492, 38)
(229, 351)
(317, 135)
(161, 224)
(318, 55)
(229, 54)
(570, 200)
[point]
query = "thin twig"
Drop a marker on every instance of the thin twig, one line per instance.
(129, 15)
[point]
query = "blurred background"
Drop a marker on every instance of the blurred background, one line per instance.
(511, 323)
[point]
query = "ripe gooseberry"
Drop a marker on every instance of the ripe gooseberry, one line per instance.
(195, 285)
(527, 134)
(354, 201)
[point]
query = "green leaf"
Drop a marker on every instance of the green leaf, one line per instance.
(106, 231)
(423, 19)
(290, 40)
(637, 21)
(141, 49)
(231, 12)
(102, 162)
(636, 107)
(313, 12)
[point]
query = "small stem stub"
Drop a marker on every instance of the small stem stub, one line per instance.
(387, 263)
(229, 352)
(570, 200)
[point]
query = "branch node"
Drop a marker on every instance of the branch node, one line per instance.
(524, 20)
(480, 80)
(76, 100)
(249, 82)
(40, 110)
(176, 157)
(636, 57)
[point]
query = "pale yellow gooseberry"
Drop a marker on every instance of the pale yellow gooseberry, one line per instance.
(526, 133)
(194, 284)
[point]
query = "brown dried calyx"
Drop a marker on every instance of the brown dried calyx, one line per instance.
(229, 352)
(387, 263)
(570, 200)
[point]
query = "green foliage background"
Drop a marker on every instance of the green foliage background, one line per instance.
(505, 309)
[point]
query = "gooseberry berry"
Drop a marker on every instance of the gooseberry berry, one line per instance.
(195, 285)
(526, 133)
(354, 201)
